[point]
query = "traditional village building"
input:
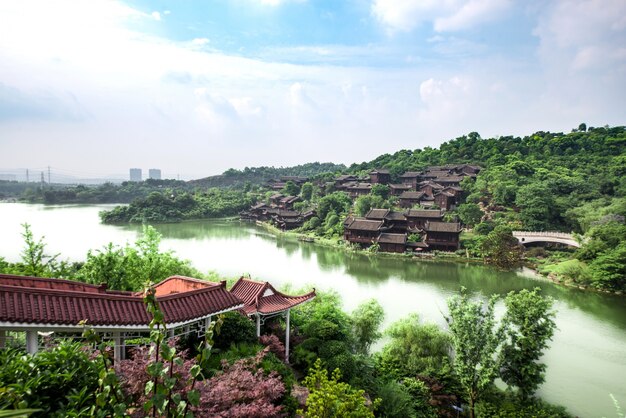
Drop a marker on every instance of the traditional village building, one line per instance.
(341, 181)
(362, 231)
(358, 189)
(377, 214)
(449, 180)
(429, 188)
(262, 301)
(287, 219)
(391, 243)
(299, 180)
(411, 178)
(380, 176)
(445, 200)
(443, 235)
(396, 222)
(40, 305)
(398, 189)
(276, 198)
(288, 201)
(416, 219)
(410, 199)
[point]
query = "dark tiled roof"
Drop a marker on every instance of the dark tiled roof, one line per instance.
(449, 179)
(412, 195)
(443, 227)
(359, 186)
(410, 174)
(288, 213)
(377, 214)
(360, 224)
(380, 171)
(387, 238)
(400, 186)
(430, 183)
(396, 216)
(62, 302)
(263, 298)
(419, 213)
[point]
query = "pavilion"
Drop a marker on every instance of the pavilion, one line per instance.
(40, 305)
(263, 301)
(36, 305)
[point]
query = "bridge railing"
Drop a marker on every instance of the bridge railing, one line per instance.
(546, 234)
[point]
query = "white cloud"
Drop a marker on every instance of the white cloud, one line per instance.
(156, 16)
(446, 15)
(275, 3)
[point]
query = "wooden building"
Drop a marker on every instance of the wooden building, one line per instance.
(358, 189)
(411, 178)
(380, 176)
(398, 189)
(416, 219)
(445, 200)
(443, 235)
(429, 187)
(391, 243)
(410, 199)
(362, 231)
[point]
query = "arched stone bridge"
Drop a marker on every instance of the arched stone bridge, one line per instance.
(527, 237)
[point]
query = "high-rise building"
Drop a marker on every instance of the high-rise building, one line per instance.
(135, 174)
(154, 173)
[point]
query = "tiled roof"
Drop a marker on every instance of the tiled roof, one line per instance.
(57, 302)
(443, 227)
(419, 213)
(387, 238)
(361, 224)
(359, 186)
(180, 284)
(377, 213)
(449, 179)
(410, 175)
(288, 213)
(380, 171)
(412, 195)
(261, 297)
(400, 186)
(396, 216)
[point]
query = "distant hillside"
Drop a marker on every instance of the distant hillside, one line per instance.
(260, 175)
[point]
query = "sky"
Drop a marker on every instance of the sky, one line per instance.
(93, 88)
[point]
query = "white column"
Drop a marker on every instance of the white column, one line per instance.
(32, 343)
(170, 333)
(287, 338)
(3, 338)
(258, 325)
(117, 348)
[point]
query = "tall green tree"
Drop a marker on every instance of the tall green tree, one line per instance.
(366, 321)
(476, 340)
(501, 248)
(529, 326)
(306, 191)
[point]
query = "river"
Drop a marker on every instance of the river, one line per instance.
(586, 360)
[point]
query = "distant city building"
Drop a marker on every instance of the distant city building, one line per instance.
(154, 173)
(135, 174)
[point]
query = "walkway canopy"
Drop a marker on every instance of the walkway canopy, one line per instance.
(34, 304)
(262, 301)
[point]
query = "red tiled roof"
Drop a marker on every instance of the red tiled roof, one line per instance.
(180, 284)
(261, 297)
(35, 300)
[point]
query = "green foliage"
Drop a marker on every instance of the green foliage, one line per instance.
(364, 203)
(131, 267)
(529, 325)
(475, 340)
(415, 349)
(499, 404)
(396, 401)
(332, 398)
(608, 271)
(306, 191)
(501, 248)
(380, 190)
(470, 213)
(291, 189)
(59, 382)
(366, 321)
(235, 329)
(169, 206)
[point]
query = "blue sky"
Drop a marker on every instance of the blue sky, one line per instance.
(195, 87)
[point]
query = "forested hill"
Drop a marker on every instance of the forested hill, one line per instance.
(260, 175)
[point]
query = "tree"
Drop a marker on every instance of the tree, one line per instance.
(381, 190)
(366, 321)
(35, 262)
(363, 204)
(291, 189)
(415, 349)
(332, 398)
(501, 248)
(306, 191)
(529, 325)
(475, 340)
(470, 213)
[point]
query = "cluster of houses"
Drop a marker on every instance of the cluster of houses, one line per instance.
(434, 190)
(391, 230)
(435, 186)
(279, 212)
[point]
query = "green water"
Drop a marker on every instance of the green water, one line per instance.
(586, 361)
